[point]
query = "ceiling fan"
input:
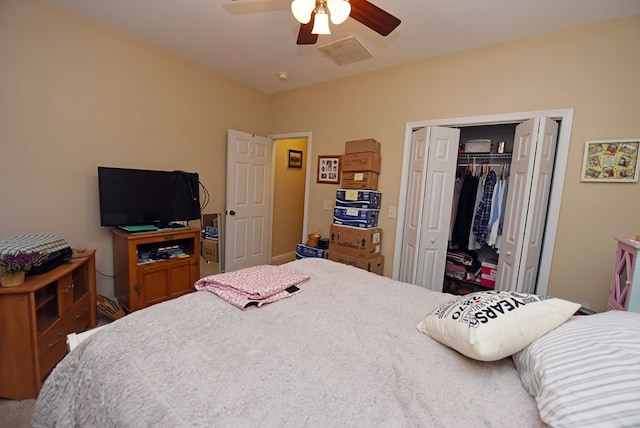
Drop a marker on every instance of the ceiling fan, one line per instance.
(312, 12)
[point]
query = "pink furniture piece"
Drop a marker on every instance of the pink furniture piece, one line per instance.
(625, 286)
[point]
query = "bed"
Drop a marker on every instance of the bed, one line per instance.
(344, 351)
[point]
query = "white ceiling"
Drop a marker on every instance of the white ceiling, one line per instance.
(251, 41)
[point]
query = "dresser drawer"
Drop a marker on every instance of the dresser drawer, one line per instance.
(52, 344)
(77, 319)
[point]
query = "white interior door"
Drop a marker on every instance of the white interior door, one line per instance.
(248, 200)
(430, 196)
(527, 201)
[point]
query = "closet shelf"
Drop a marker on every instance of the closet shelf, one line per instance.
(471, 156)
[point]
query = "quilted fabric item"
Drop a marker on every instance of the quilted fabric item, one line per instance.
(253, 286)
(57, 249)
(29, 243)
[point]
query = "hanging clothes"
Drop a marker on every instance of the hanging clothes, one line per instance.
(494, 218)
(481, 218)
(464, 216)
(473, 242)
(504, 199)
(457, 188)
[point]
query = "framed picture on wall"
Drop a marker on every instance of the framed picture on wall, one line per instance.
(295, 159)
(329, 169)
(611, 161)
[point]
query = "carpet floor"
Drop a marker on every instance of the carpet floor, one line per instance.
(16, 414)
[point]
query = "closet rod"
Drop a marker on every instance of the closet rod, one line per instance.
(482, 163)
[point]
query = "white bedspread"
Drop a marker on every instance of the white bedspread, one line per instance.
(344, 352)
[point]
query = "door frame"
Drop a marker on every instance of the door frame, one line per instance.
(308, 136)
(555, 198)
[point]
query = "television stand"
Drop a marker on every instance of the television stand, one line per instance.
(140, 282)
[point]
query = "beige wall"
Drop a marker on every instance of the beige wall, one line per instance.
(75, 95)
(288, 197)
(592, 69)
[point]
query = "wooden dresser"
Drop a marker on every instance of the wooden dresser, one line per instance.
(36, 317)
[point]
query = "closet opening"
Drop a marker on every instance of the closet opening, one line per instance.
(478, 208)
(529, 150)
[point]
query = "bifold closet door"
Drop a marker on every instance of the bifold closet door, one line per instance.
(530, 176)
(430, 196)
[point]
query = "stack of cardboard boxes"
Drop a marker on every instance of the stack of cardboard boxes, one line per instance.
(354, 237)
(210, 237)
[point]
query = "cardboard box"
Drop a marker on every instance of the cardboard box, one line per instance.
(365, 161)
(477, 146)
(360, 180)
(374, 264)
(210, 250)
(210, 224)
(355, 217)
(358, 146)
(354, 198)
(488, 272)
(362, 243)
(303, 251)
(210, 220)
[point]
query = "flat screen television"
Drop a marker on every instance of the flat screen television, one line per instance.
(135, 197)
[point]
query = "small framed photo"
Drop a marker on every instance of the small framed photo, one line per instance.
(611, 161)
(295, 159)
(329, 169)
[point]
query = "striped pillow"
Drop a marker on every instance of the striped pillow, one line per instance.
(586, 372)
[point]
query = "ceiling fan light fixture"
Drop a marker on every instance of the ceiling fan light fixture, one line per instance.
(321, 23)
(339, 10)
(302, 10)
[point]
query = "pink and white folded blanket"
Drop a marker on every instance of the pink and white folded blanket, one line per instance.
(253, 286)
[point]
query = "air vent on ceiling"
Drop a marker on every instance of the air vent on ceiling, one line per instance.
(345, 51)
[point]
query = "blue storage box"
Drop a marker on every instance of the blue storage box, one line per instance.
(211, 232)
(356, 198)
(303, 251)
(355, 217)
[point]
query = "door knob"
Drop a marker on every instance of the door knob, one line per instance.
(433, 240)
(232, 212)
(508, 253)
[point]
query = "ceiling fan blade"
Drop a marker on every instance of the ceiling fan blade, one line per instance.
(305, 37)
(373, 17)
